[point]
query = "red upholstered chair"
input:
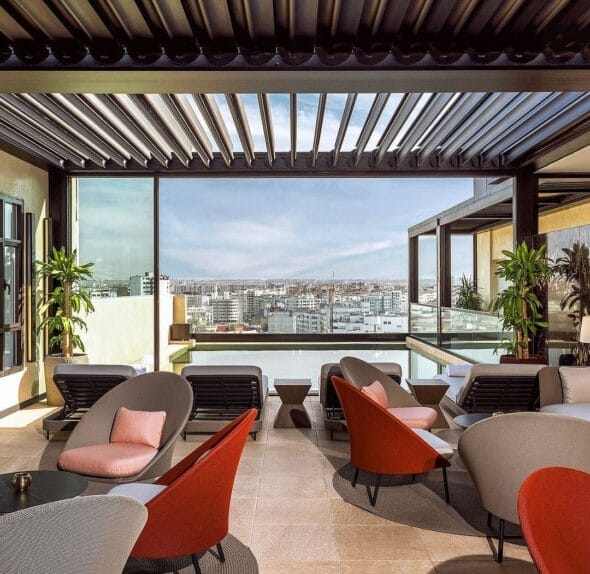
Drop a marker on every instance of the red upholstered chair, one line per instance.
(191, 514)
(554, 512)
(381, 444)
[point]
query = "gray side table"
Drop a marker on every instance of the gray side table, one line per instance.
(292, 413)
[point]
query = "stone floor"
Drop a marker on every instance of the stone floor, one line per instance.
(286, 509)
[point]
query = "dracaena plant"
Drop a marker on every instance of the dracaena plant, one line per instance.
(468, 296)
(60, 310)
(526, 269)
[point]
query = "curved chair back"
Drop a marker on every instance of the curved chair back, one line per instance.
(360, 374)
(379, 442)
(159, 391)
(554, 506)
(500, 452)
(192, 513)
(90, 534)
(550, 389)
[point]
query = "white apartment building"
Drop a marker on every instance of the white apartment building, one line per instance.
(302, 302)
(227, 310)
(282, 322)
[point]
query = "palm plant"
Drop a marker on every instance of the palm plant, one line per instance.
(467, 295)
(527, 269)
(574, 267)
(61, 307)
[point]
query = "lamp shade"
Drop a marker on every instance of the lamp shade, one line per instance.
(585, 330)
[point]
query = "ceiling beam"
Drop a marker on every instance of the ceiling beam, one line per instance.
(319, 122)
(344, 121)
(293, 124)
(368, 128)
(240, 118)
(214, 120)
(329, 79)
(266, 118)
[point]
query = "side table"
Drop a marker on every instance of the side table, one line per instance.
(292, 413)
(46, 486)
(470, 419)
(429, 393)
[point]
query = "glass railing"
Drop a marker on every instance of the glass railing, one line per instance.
(472, 334)
(422, 324)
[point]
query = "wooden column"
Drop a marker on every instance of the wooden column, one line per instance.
(525, 208)
(58, 210)
(443, 272)
(413, 269)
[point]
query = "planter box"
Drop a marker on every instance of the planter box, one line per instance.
(532, 360)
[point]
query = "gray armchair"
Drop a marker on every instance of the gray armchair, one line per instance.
(90, 534)
(501, 451)
(160, 391)
(552, 398)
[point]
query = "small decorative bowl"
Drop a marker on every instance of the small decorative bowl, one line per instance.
(21, 481)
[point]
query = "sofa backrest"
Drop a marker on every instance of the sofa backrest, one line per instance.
(550, 390)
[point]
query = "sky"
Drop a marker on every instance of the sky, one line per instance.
(271, 228)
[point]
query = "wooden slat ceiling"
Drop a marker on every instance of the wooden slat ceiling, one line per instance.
(348, 33)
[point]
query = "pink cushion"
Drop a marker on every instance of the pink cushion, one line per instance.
(376, 392)
(415, 417)
(138, 427)
(114, 460)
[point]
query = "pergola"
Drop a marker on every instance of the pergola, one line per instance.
(482, 88)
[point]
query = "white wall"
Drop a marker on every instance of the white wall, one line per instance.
(29, 183)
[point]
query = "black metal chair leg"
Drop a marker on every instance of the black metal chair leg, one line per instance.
(373, 498)
(489, 519)
(355, 477)
(501, 541)
(446, 485)
(220, 552)
(196, 564)
(413, 478)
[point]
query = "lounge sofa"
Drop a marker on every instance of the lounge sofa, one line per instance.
(332, 409)
(565, 391)
(493, 387)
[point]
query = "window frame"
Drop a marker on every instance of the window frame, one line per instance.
(17, 327)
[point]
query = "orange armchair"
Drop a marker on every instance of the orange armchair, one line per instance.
(191, 514)
(554, 509)
(381, 444)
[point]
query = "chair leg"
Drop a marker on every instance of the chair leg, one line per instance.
(446, 485)
(355, 477)
(196, 564)
(501, 541)
(373, 498)
(253, 435)
(413, 478)
(184, 436)
(221, 553)
(489, 519)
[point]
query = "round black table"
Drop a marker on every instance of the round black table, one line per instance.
(46, 486)
(469, 419)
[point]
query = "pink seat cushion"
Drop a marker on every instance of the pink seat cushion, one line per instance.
(376, 392)
(114, 460)
(138, 427)
(415, 417)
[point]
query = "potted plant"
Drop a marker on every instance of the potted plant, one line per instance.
(468, 296)
(527, 270)
(574, 268)
(60, 313)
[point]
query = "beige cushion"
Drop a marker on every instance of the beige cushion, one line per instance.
(579, 410)
(575, 382)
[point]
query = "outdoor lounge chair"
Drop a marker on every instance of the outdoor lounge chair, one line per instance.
(500, 452)
(81, 386)
(554, 506)
(333, 414)
(383, 445)
(188, 507)
(88, 534)
(89, 450)
(398, 401)
(221, 393)
(493, 387)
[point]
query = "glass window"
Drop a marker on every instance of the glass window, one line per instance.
(114, 230)
(11, 280)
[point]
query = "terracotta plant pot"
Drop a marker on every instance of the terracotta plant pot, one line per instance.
(54, 397)
(532, 360)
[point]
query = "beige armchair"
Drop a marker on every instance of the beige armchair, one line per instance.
(90, 534)
(552, 396)
(501, 451)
